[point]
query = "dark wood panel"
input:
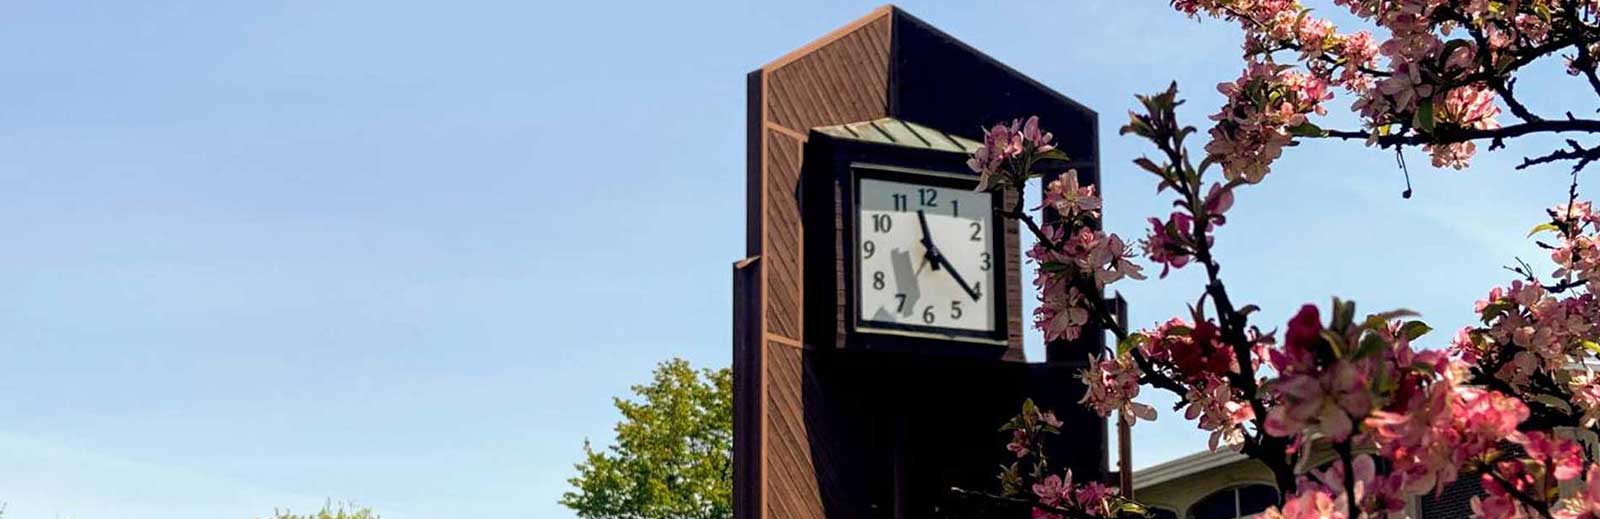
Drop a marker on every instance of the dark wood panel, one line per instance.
(843, 80)
(784, 247)
(792, 491)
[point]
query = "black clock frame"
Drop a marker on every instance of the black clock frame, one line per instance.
(852, 236)
(829, 193)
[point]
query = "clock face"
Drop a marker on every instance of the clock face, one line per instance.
(925, 256)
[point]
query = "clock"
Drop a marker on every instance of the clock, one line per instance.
(924, 254)
(901, 254)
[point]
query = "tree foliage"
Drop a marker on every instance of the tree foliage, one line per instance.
(330, 511)
(673, 456)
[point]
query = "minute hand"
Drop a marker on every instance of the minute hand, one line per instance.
(957, 275)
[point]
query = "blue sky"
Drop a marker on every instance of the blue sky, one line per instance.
(263, 254)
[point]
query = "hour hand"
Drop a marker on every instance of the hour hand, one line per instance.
(927, 241)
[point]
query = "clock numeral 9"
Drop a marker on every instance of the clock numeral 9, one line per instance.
(927, 315)
(882, 223)
(877, 280)
(929, 197)
(872, 248)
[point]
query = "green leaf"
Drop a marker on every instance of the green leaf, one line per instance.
(1134, 340)
(1414, 329)
(1496, 309)
(1371, 343)
(1307, 129)
(1334, 341)
(1150, 165)
(1344, 314)
(1055, 154)
(1424, 116)
(1547, 226)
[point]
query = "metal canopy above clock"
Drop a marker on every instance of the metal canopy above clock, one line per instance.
(889, 130)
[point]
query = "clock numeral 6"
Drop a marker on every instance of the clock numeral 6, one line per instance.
(877, 280)
(882, 223)
(927, 314)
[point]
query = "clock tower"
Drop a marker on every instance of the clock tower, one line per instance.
(878, 318)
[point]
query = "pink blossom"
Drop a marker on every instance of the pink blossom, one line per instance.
(1019, 443)
(1061, 314)
(1310, 503)
(1068, 198)
(1051, 490)
(1214, 405)
(1324, 403)
(1112, 385)
(1562, 456)
(1161, 246)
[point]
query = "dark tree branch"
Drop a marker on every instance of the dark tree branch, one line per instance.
(1574, 152)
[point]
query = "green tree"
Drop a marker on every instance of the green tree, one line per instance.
(330, 511)
(673, 457)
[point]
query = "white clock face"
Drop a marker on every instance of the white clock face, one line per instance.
(901, 280)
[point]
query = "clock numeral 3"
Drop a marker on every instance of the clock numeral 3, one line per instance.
(984, 267)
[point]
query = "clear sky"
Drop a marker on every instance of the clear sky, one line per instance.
(262, 254)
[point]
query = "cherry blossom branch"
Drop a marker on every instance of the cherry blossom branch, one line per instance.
(1451, 135)
(1097, 307)
(1035, 503)
(1343, 449)
(1584, 56)
(1537, 505)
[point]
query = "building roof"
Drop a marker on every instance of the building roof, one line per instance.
(896, 132)
(1187, 465)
